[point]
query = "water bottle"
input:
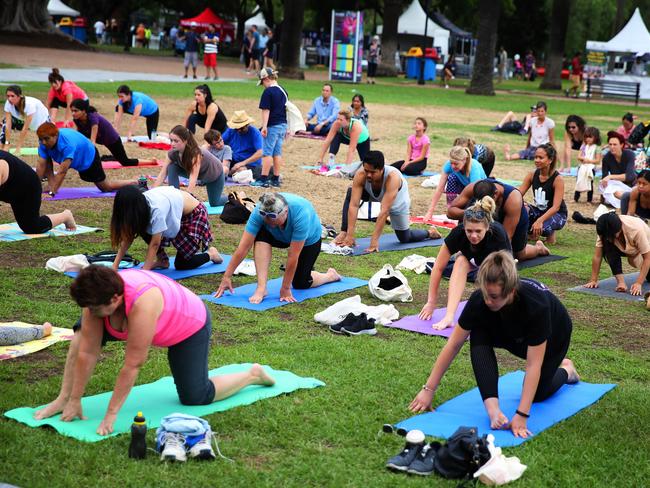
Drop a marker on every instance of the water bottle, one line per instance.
(138, 445)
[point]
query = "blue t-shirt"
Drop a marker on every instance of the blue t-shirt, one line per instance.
(70, 145)
(273, 100)
(149, 107)
(302, 222)
(476, 173)
(244, 145)
(191, 42)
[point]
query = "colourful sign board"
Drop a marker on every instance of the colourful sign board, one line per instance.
(346, 49)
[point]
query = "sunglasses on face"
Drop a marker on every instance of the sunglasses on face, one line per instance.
(270, 215)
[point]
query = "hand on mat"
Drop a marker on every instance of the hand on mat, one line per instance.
(286, 295)
(519, 428)
(635, 290)
(106, 427)
(225, 284)
(591, 284)
(373, 247)
(427, 311)
(72, 411)
(422, 402)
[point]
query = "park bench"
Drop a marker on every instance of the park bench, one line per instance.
(615, 89)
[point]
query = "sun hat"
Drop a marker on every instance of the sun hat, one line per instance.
(240, 119)
(613, 133)
(264, 73)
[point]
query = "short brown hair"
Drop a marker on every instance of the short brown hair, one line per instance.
(212, 136)
(96, 285)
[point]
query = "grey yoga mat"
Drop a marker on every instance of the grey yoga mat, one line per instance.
(607, 288)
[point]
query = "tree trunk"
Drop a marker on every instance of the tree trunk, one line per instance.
(392, 11)
(620, 17)
(25, 16)
(291, 39)
(483, 73)
(266, 7)
(557, 40)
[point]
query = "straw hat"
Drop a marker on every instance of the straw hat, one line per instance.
(240, 119)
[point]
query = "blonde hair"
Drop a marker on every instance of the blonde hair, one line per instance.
(461, 153)
(481, 211)
(498, 268)
(346, 112)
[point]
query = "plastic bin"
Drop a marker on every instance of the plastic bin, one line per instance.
(413, 68)
(65, 25)
(79, 30)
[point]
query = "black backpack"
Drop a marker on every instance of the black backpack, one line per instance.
(463, 454)
(106, 258)
(639, 133)
(237, 209)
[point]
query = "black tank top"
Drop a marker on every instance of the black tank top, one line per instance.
(219, 123)
(543, 193)
(20, 180)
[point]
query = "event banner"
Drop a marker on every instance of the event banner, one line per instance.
(346, 49)
(596, 64)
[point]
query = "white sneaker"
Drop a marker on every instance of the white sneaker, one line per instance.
(203, 448)
(173, 447)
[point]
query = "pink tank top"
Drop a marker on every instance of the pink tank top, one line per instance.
(183, 312)
(67, 87)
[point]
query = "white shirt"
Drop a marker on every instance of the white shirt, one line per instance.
(33, 107)
(166, 204)
(539, 131)
(99, 27)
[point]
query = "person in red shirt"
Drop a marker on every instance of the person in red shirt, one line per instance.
(61, 94)
(576, 75)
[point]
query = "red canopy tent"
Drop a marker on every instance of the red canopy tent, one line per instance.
(207, 17)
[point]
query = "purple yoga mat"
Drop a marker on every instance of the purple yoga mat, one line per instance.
(81, 192)
(414, 324)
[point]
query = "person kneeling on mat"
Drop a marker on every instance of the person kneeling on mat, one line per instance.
(384, 184)
(521, 316)
(288, 221)
(143, 309)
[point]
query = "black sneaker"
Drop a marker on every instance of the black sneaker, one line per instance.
(414, 444)
(423, 462)
(361, 326)
(349, 320)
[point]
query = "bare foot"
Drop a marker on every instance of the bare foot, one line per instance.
(552, 239)
(542, 250)
(333, 274)
(260, 377)
(498, 420)
(568, 365)
(47, 329)
(259, 295)
(443, 324)
(338, 240)
(69, 221)
(51, 409)
(506, 151)
(215, 257)
(434, 234)
(161, 263)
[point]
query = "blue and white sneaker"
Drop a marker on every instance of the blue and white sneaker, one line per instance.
(261, 183)
(199, 447)
(172, 447)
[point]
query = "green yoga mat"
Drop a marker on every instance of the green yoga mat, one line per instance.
(158, 399)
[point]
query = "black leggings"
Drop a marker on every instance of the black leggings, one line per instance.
(152, 123)
(308, 256)
(198, 259)
(404, 236)
(362, 148)
(486, 370)
(118, 152)
(413, 169)
(613, 257)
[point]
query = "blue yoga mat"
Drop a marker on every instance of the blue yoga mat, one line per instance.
(424, 174)
(390, 242)
(240, 298)
(175, 274)
(468, 409)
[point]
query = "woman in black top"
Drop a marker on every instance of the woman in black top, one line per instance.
(618, 163)
(637, 201)
(475, 238)
(205, 112)
(21, 188)
(521, 316)
(574, 133)
(549, 212)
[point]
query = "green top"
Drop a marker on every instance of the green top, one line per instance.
(363, 137)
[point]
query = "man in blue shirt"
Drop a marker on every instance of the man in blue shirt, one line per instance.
(191, 49)
(71, 149)
(326, 109)
(245, 141)
(281, 220)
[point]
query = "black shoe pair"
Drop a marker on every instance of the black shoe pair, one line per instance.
(355, 325)
(415, 459)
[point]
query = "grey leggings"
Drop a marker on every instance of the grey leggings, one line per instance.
(214, 188)
(12, 335)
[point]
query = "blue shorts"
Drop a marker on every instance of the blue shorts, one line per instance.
(528, 153)
(274, 139)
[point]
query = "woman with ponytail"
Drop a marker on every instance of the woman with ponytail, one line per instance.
(187, 159)
(99, 130)
(61, 95)
(548, 213)
(21, 113)
(475, 238)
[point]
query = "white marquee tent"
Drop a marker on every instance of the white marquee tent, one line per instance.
(633, 38)
(57, 7)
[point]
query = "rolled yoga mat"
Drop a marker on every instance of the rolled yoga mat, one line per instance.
(607, 288)
(11, 232)
(390, 242)
(241, 294)
(158, 399)
(414, 324)
(467, 409)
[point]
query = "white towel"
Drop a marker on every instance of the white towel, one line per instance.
(332, 315)
(415, 262)
(612, 187)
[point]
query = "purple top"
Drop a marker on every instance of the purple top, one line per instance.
(106, 134)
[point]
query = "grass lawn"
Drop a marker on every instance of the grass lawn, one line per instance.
(327, 436)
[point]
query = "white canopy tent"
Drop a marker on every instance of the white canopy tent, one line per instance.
(57, 7)
(258, 20)
(633, 38)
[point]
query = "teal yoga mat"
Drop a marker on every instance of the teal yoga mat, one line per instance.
(11, 232)
(213, 210)
(467, 409)
(240, 298)
(158, 399)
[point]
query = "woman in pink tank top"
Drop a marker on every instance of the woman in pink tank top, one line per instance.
(61, 94)
(144, 309)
